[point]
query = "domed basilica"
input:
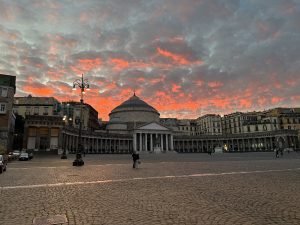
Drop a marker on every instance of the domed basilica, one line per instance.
(131, 113)
(135, 116)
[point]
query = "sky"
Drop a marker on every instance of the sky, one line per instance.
(186, 58)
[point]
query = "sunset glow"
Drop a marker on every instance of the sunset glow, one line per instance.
(185, 58)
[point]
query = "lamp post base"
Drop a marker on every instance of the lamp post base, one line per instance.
(63, 155)
(78, 161)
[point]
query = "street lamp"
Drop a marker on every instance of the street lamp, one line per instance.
(83, 84)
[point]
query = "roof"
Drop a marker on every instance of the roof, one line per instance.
(29, 100)
(134, 103)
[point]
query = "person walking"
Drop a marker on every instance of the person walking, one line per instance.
(277, 153)
(135, 159)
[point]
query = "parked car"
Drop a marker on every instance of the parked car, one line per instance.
(3, 163)
(16, 153)
(11, 156)
(288, 150)
(24, 156)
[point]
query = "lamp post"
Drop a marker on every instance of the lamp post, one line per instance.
(83, 84)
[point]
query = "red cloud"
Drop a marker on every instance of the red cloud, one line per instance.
(38, 91)
(276, 100)
(215, 84)
(175, 88)
(119, 64)
(175, 57)
(245, 103)
(86, 65)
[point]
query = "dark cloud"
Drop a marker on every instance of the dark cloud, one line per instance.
(184, 57)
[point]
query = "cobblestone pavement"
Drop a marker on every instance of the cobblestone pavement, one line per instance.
(237, 188)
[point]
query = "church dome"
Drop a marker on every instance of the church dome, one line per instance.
(134, 110)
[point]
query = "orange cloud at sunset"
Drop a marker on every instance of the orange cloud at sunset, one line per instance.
(179, 56)
(245, 103)
(39, 91)
(86, 65)
(215, 84)
(175, 57)
(119, 64)
(276, 99)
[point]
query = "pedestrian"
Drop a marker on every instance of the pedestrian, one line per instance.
(277, 153)
(209, 152)
(135, 159)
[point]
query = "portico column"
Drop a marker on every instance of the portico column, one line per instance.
(248, 141)
(207, 147)
(167, 142)
(151, 143)
(146, 144)
(172, 144)
(141, 141)
(134, 141)
(161, 142)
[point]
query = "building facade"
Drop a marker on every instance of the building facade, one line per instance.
(71, 112)
(209, 124)
(7, 117)
(42, 106)
(129, 130)
(135, 125)
(43, 133)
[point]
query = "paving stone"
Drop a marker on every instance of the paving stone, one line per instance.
(269, 197)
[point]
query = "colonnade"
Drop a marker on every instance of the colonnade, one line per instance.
(234, 144)
(147, 141)
(150, 141)
(98, 144)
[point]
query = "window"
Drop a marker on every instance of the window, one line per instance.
(27, 110)
(265, 127)
(3, 91)
(36, 110)
(46, 110)
(2, 108)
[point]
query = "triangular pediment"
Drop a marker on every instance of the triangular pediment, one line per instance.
(152, 126)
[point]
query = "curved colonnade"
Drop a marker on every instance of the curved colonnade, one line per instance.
(104, 143)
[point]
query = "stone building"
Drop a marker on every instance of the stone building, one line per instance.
(43, 133)
(71, 115)
(209, 124)
(141, 120)
(258, 142)
(180, 126)
(287, 118)
(134, 125)
(7, 117)
(42, 106)
(233, 123)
